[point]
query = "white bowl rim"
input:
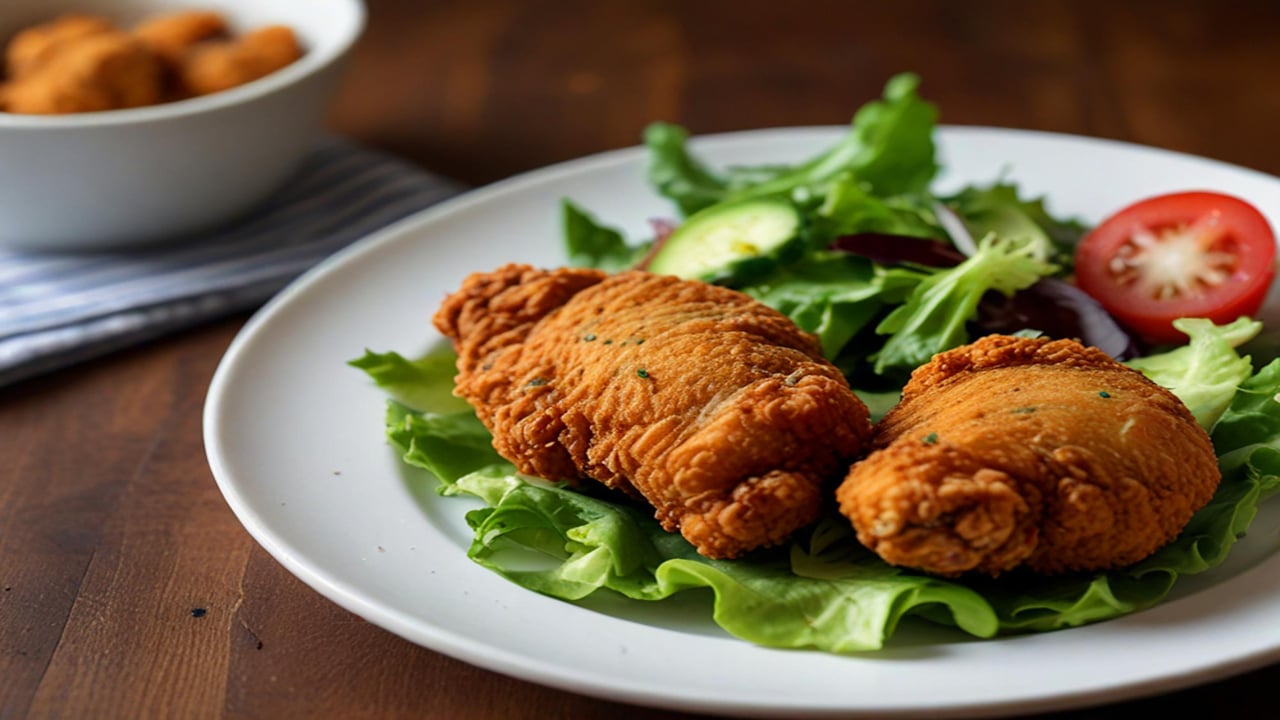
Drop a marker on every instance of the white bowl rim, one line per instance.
(311, 63)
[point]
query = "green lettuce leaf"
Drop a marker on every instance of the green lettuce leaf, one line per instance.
(426, 382)
(833, 294)
(1252, 421)
(677, 174)
(449, 445)
(933, 318)
(889, 150)
(999, 209)
(590, 244)
(1205, 372)
(848, 209)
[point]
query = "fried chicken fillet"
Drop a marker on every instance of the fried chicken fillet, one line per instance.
(714, 408)
(1028, 452)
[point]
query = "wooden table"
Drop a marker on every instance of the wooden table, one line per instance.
(112, 531)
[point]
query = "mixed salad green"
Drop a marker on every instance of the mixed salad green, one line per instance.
(853, 246)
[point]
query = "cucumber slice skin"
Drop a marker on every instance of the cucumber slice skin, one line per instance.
(733, 243)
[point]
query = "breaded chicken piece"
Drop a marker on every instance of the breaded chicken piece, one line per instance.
(172, 36)
(32, 47)
(220, 65)
(711, 406)
(1028, 452)
(104, 71)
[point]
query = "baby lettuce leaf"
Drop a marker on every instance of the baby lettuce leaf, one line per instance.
(889, 150)
(999, 209)
(834, 294)
(934, 316)
(849, 209)
(823, 591)
(677, 174)
(590, 244)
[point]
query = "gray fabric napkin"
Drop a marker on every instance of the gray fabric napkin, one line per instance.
(59, 309)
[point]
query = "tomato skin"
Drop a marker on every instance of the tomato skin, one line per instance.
(1236, 231)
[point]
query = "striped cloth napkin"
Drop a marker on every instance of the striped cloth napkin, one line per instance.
(59, 309)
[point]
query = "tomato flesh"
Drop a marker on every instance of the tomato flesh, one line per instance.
(1191, 254)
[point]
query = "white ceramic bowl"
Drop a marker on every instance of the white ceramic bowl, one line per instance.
(162, 173)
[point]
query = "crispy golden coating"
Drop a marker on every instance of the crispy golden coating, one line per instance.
(104, 71)
(711, 406)
(32, 47)
(215, 66)
(1028, 452)
(172, 36)
(82, 63)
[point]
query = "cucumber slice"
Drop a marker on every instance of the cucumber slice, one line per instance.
(732, 243)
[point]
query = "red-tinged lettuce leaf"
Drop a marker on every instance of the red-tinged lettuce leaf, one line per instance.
(1057, 309)
(890, 249)
(1050, 306)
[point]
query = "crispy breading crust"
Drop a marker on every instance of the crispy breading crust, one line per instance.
(107, 70)
(214, 66)
(82, 63)
(1028, 452)
(711, 406)
(173, 35)
(33, 47)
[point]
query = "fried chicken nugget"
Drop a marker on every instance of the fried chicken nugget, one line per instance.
(1028, 452)
(220, 65)
(104, 71)
(711, 406)
(172, 36)
(34, 46)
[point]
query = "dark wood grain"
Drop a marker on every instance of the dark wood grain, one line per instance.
(127, 587)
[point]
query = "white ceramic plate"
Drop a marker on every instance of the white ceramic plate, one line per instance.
(294, 437)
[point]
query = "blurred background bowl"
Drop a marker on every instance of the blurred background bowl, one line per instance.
(162, 173)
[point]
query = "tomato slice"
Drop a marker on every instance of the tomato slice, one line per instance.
(1188, 254)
